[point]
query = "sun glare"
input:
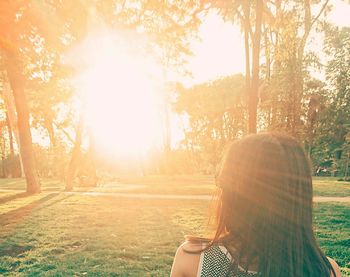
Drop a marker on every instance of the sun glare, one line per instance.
(121, 100)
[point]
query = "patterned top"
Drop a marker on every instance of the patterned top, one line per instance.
(216, 261)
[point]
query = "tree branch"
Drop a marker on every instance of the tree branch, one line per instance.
(65, 133)
(308, 24)
(320, 12)
(241, 17)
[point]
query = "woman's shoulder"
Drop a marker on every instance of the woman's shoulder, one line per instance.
(192, 246)
(187, 259)
(335, 267)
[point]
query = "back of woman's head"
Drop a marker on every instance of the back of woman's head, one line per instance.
(266, 205)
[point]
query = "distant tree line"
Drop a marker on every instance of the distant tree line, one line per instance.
(318, 115)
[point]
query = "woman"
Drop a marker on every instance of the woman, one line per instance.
(264, 216)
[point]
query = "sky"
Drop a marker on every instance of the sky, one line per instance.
(219, 52)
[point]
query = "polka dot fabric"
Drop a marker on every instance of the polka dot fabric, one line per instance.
(217, 263)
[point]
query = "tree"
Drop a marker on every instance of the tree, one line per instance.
(10, 115)
(20, 22)
(253, 96)
(248, 14)
(75, 157)
(216, 115)
(287, 31)
(335, 123)
(25, 138)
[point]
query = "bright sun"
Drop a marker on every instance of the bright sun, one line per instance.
(121, 100)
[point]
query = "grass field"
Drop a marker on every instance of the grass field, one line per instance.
(185, 185)
(205, 185)
(62, 235)
(59, 234)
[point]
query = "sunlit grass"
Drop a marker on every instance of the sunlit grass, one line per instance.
(65, 235)
(73, 235)
(332, 228)
(20, 184)
(60, 234)
(186, 184)
(204, 184)
(330, 187)
(156, 184)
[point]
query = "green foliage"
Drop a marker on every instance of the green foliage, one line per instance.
(284, 104)
(216, 115)
(10, 167)
(333, 135)
(51, 162)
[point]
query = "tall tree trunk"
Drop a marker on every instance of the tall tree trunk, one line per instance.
(267, 80)
(92, 174)
(76, 157)
(16, 80)
(298, 83)
(166, 100)
(9, 129)
(12, 149)
(50, 130)
(48, 123)
(12, 118)
(167, 132)
(253, 96)
(246, 10)
(3, 154)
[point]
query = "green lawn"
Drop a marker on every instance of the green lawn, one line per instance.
(328, 186)
(323, 186)
(188, 185)
(59, 234)
(66, 235)
(332, 226)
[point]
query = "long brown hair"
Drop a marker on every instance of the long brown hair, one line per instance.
(265, 207)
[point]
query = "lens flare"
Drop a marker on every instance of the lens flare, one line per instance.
(120, 95)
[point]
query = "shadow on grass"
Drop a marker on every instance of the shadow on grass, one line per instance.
(10, 219)
(25, 210)
(14, 250)
(5, 199)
